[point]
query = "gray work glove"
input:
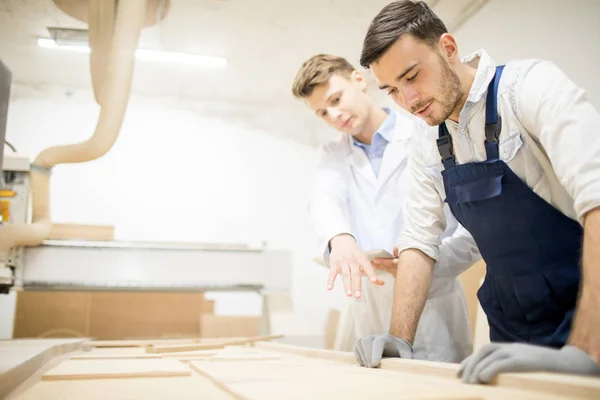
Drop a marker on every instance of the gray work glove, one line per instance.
(495, 358)
(371, 349)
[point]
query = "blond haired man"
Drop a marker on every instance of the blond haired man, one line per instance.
(358, 204)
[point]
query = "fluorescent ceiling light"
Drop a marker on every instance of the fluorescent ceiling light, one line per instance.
(147, 55)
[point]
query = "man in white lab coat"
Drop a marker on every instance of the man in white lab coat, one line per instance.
(519, 152)
(358, 205)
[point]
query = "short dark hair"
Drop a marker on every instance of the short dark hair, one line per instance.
(396, 19)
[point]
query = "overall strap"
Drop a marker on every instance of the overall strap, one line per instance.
(493, 122)
(493, 126)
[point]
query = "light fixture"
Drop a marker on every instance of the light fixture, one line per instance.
(146, 55)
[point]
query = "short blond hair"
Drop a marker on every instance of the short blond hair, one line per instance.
(317, 70)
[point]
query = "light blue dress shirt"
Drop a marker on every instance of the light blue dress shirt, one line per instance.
(380, 140)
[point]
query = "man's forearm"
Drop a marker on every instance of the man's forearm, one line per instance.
(413, 280)
(586, 327)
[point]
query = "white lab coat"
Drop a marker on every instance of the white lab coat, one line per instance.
(349, 198)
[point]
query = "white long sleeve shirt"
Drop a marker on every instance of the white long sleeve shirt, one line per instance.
(550, 138)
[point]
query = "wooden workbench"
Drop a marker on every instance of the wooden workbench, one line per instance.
(260, 370)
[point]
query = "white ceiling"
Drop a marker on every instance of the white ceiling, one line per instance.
(265, 42)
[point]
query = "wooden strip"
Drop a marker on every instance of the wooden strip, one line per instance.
(209, 346)
(194, 387)
(109, 369)
(199, 353)
(81, 232)
(243, 358)
(332, 355)
(139, 343)
(113, 356)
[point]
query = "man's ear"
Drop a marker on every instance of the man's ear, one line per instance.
(448, 48)
(357, 78)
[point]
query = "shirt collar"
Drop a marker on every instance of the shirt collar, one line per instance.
(486, 68)
(386, 129)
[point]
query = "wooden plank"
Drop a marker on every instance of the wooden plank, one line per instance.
(332, 355)
(113, 356)
(550, 384)
(114, 350)
(138, 343)
(81, 232)
(303, 378)
(192, 387)
(570, 386)
(209, 346)
(109, 369)
(19, 359)
(199, 353)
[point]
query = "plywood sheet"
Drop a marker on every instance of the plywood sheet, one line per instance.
(19, 359)
(301, 378)
(539, 385)
(115, 369)
(192, 387)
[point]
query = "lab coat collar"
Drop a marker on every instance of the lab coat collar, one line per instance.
(394, 155)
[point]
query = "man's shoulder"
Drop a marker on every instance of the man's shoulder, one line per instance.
(516, 70)
(339, 146)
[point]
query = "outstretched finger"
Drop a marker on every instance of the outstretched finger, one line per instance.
(356, 278)
(346, 278)
(333, 273)
(368, 269)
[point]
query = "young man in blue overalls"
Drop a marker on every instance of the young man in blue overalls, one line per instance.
(519, 152)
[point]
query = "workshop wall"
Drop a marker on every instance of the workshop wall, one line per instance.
(183, 171)
(564, 32)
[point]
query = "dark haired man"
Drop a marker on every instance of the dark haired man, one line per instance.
(519, 154)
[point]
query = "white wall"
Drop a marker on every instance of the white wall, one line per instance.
(182, 171)
(566, 32)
